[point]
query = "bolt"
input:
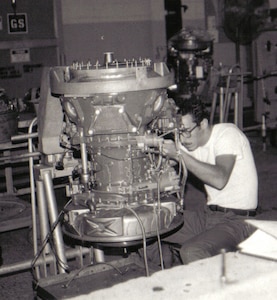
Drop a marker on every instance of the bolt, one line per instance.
(223, 266)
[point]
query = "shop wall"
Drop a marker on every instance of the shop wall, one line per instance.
(130, 29)
(28, 42)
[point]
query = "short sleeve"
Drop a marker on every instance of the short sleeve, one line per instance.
(229, 141)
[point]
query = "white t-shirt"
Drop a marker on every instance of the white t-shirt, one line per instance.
(241, 191)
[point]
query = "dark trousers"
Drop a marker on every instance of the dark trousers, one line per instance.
(204, 234)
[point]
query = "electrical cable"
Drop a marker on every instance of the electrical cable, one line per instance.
(59, 261)
(46, 240)
(160, 160)
(150, 158)
(156, 166)
(144, 239)
(44, 243)
(183, 168)
(157, 213)
(184, 179)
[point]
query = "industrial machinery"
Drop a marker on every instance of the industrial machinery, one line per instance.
(190, 57)
(103, 127)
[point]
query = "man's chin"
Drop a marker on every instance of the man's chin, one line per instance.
(189, 147)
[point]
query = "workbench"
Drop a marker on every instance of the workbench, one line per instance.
(246, 277)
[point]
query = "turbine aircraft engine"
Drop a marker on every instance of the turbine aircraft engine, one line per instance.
(113, 119)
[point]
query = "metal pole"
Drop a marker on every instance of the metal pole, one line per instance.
(25, 136)
(85, 173)
(33, 190)
(43, 215)
(19, 157)
(53, 215)
(27, 264)
(221, 104)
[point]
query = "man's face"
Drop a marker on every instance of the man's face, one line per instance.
(189, 133)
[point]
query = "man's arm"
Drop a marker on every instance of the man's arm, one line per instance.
(216, 175)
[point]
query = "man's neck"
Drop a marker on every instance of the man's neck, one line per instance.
(206, 134)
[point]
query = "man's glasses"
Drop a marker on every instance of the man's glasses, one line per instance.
(187, 132)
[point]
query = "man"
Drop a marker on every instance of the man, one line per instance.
(221, 157)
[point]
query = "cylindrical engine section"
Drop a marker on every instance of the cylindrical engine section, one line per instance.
(121, 167)
(122, 170)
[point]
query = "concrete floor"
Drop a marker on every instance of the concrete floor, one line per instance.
(17, 245)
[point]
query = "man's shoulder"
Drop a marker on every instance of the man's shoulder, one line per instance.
(225, 126)
(228, 138)
(225, 130)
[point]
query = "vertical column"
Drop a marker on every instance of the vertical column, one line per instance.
(53, 216)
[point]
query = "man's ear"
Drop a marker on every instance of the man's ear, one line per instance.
(204, 124)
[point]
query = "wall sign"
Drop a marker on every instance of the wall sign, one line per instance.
(20, 55)
(9, 72)
(17, 23)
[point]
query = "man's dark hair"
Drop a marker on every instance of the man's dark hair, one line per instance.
(195, 107)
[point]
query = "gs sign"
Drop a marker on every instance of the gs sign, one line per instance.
(17, 23)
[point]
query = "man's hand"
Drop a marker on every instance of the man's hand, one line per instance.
(169, 149)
